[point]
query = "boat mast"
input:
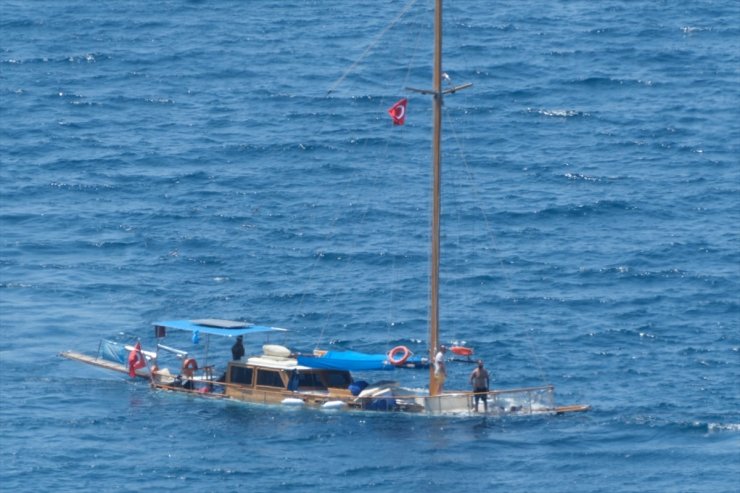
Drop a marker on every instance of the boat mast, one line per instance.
(438, 95)
(436, 188)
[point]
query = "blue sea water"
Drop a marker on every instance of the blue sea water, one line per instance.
(182, 159)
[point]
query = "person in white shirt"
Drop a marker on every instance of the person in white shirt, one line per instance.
(440, 369)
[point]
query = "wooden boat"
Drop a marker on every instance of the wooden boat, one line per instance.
(278, 376)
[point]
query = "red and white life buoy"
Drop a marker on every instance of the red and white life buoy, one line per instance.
(399, 355)
(462, 351)
(189, 366)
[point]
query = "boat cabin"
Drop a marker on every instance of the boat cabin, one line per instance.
(299, 379)
(276, 374)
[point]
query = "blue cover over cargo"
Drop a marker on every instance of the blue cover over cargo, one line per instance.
(347, 360)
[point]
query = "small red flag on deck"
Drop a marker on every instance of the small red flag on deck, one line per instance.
(398, 112)
(135, 360)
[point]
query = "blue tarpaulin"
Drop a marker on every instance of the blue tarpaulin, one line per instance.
(347, 360)
(354, 361)
(112, 351)
(226, 328)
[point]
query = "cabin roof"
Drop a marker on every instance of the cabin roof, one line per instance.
(227, 328)
(275, 363)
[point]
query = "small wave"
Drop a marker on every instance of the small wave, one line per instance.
(77, 59)
(697, 425)
(86, 58)
(717, 427)
(598, 208)
(581, 177)
(80, 187)
(610, 81)
(645, 274)
(558, 113)
(16, 285)
(160, 100)
(692, 29)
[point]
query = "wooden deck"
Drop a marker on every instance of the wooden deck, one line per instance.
(578, 408)
(103, 363)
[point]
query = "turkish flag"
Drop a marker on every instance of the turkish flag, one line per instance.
(135, 360)
(398, 112)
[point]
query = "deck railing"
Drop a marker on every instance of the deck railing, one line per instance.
(527, 400)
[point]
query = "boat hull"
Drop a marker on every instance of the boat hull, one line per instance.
(520, 402)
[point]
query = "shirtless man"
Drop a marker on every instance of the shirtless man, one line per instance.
(480, 380)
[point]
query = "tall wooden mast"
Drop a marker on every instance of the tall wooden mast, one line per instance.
(436, 200)
(438, 94)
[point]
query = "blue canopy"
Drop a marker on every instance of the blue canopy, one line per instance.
(217, 327)
(346, 360)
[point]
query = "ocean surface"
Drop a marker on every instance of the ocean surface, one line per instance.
(230, 159)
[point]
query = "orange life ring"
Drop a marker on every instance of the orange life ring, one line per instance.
(462, 351)
(398, 355)
(189, 366)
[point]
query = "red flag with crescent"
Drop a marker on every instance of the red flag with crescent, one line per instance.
(135, 360)
(398, 112)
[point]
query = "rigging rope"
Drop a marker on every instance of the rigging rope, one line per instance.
(381, 103)
(478, 200)
(371, 46)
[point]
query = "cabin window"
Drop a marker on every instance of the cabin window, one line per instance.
(309, 380)
(241, 374)
(337, 379)
(268, 378)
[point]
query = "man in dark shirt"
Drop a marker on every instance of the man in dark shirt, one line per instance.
(237, 350)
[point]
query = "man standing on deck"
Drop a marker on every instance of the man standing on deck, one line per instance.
(480, 381)
(237, 350)
(440, 369)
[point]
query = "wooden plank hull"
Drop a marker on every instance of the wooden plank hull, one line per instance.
(524, 401)
(448, 404)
